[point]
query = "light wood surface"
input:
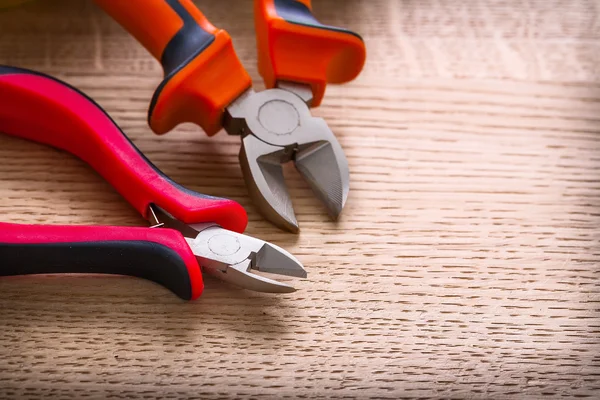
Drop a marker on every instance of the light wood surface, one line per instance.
(466, 263)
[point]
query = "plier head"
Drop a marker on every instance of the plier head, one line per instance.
(277, 127)
(232, 256)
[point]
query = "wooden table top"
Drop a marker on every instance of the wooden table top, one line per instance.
(466, 263)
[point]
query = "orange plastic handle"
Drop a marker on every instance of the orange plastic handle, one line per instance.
(203, 74)
(294, 46)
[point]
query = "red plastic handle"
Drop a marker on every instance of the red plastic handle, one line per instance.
(160, 255)
(40, 108)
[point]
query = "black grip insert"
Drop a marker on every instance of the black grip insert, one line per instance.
(296, 12)
(142, 259)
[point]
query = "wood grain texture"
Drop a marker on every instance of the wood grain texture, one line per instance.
(467, 261)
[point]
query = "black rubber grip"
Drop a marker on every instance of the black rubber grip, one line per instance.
(147, 260)
(190, 41)
(296, 12)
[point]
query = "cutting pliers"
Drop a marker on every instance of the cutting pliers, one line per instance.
(191, 229)
(205, 83)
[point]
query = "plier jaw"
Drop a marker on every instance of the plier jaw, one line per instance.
(231, 256)
(277, 127)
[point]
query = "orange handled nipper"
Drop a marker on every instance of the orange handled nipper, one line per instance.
(206, 84)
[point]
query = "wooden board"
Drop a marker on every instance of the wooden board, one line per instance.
(466, 263)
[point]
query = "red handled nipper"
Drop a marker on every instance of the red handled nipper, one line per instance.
(191, 230)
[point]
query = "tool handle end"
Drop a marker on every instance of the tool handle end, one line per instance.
(203, 74)
(160, 255)
(294, 46)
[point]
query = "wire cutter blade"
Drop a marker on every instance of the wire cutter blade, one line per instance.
(277, 127)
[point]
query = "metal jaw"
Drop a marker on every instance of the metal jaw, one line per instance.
(277, 127)
(230, 255)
